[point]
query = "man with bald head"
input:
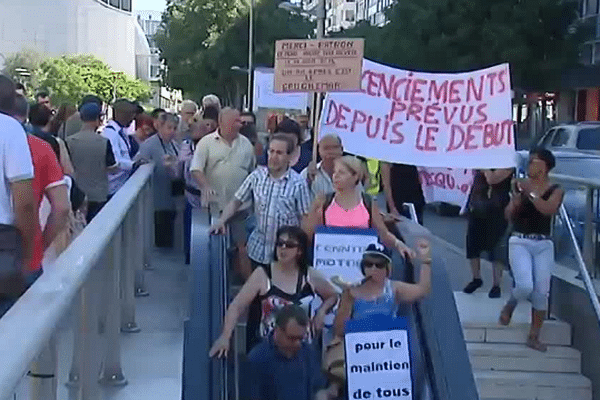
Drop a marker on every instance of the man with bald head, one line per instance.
(221, 162)
(319, 176)
(124, 112)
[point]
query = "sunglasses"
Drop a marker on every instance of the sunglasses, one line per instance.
(376, 264)
(287, 244)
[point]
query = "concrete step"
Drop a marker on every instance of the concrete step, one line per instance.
(517, 357)
(532, 385)
(554, 333)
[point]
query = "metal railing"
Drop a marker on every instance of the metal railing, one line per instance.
(99, 274)
(205, 378)
(449, 374)
(585, 276)
(591, 215)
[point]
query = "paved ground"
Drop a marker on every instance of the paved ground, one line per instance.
(151, 360)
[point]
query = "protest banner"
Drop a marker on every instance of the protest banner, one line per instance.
(338, 252)
(321, 65)
(378, 362)
(446, 185)
(444, 120)
(265, 96)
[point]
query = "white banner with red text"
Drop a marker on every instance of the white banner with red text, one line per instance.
(446, 185)
(461, 120)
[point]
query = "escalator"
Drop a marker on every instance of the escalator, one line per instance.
(442, 368)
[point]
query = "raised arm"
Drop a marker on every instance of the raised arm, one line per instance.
(412, 292)
(314, 217)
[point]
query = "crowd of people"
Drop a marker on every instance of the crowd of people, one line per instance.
(61, 166)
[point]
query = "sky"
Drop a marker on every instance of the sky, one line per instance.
(154, 5)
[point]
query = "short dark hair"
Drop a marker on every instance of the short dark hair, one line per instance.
(289, 312)
(249, 114)
(42, 93)
(156, 112)
(39, 115)
(91, 98)
(290, 126)
(301, 237)
(211, 112)
(7, 94)
(545, 155)
(283, 138)
(21, 108)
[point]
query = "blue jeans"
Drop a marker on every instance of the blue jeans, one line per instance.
(7, 303)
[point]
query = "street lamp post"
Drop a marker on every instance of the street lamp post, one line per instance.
(250, 54)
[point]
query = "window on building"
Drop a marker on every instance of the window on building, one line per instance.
(349, 17)
(596, 53)
(126, 5)
(591, 7)
(586, 54)
(115, 3)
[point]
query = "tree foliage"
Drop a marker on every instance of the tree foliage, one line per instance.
(539, 38)
(69, 78)
(203, 64)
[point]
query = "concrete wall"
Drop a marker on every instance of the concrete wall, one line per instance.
(58, 27)
(570, 303)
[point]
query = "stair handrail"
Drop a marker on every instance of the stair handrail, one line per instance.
(585, 275)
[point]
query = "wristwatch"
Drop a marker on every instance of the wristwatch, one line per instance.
(533, 196)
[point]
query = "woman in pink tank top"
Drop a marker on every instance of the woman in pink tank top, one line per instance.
(347, 208)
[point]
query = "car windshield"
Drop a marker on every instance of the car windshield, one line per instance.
(589, 139)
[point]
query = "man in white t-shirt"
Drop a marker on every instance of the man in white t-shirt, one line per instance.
(17, 203)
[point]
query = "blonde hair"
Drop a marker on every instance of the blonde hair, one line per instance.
(355, 166)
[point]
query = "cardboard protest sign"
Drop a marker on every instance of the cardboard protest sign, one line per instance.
(338, 252)
(265, 96)
(426, 119)
(323, 65)
(378, 362)
(446, 185)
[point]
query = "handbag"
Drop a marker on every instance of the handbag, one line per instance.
(12, 280)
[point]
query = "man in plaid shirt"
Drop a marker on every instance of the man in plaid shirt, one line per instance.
(280, 195)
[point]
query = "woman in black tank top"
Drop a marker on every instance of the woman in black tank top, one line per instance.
(288, 280)
(531, 251)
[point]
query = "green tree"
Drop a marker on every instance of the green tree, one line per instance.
(539, 38)
(28, 59)
(69, 78)
(199, 70)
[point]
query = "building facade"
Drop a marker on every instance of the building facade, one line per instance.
(106, 29)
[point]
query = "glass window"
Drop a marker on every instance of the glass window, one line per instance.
(126, 5)
(586, 54)
(350, 15)
(561, 137)
(591, 7)
(545, 142)
(589, 139)
(115, 3)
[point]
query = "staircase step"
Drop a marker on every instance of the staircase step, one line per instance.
(532, 385)
(554, 333)
(518, 357)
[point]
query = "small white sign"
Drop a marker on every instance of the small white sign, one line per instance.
(378, 365)
(339, 254)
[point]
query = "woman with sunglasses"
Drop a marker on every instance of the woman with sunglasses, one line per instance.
(377, 294)
(288, 280)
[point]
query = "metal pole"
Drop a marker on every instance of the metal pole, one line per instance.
(111, 367)
(140, 282)
(588, 241)
(147, 198)
(43, 373)
(128, 268)
(250, 54)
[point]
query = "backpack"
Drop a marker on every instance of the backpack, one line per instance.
(367, 201)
